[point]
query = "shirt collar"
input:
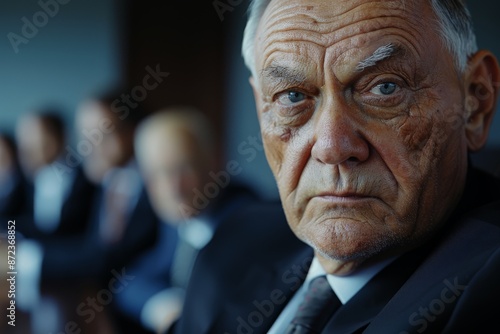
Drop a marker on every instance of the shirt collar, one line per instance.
(197, 231)
(126, 178)
(345, 287)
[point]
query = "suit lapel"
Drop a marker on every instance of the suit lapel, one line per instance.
(358, 312)
(439, 282)
(265, 292)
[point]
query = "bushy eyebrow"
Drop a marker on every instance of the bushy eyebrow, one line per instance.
(382, 53)
(278, 74)
(281, 74)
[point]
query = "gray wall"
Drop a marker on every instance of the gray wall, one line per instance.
(242, 124)
(75, 53)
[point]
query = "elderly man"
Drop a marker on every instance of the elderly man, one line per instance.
(176, 155)
(368, 110)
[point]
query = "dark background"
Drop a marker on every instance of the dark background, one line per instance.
(92, 45)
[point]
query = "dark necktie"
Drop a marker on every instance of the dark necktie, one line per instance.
(184, 257)
(116, 202)
(320, 302)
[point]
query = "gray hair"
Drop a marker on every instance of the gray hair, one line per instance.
(454, 18)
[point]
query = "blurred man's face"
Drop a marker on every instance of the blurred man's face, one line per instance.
(6, 159)
(174, 166)
(37, 146)
(367, 158)
(111, 144)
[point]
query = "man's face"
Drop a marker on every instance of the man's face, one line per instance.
(173, 167)
(111, 143)
(37, 146)
(361, 113)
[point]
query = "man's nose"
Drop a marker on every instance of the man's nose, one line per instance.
(338, 138)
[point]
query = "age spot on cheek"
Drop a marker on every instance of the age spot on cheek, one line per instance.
(286, 135)
(416, 130)
(413, 134)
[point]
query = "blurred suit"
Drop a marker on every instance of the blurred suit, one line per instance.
(57, 197)
(70, 213)
(12, 196)
(167, 266)
(92, 256)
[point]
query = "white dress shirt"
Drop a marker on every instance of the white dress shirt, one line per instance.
(50, 192)
(162, 309)
(345, 287)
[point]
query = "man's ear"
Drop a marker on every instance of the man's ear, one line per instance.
(256, 95)
(482, 82)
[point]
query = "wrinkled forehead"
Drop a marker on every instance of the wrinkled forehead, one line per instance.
(354, 24)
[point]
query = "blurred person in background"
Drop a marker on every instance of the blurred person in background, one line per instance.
(121, 224)
(55, 209)
(12, 185)
(12, 203)
(176, 155)
(57, 200)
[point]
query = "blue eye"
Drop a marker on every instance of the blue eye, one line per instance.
(295, 97)
(291, 97)
(386, 88)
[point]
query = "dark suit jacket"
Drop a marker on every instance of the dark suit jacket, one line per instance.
(246, 276)
(75, 211)
(152, 271)
(86, 257)
(12, 204)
